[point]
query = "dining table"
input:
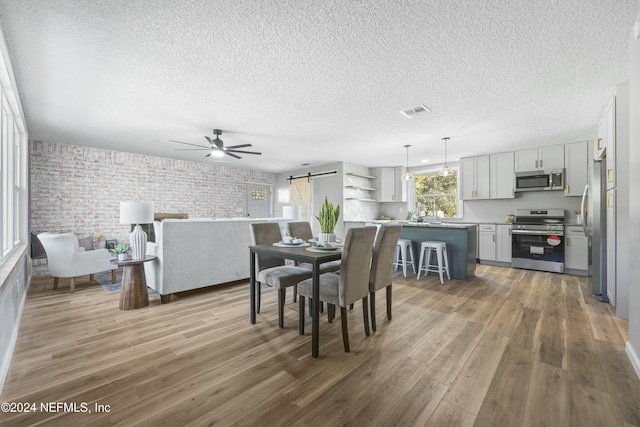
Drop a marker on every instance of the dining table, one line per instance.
(307, 254)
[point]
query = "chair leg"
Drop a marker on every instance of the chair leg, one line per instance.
(388, 302)
(73, 285)
(258, 292)
(345, 329)
(440, 266)
(281, 297)
(113, 276)
(365, 315)
(422, 251)
(55, 283)
(301, 315)
(403, 251)
(372, 303)
(413, 260)
(350, 306)
(331, 312)
(295, 293)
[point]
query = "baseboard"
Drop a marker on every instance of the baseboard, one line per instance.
(575, 272)
(633, 357)
(495, 263)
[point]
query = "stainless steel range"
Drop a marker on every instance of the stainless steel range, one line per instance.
(537, 240)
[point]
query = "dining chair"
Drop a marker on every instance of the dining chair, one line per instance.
(382, 267)
(272, 271)
(350, 285)
(302, 230)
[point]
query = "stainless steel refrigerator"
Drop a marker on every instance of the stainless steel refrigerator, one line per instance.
(594, 222)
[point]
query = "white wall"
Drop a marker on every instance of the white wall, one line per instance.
(633, 345)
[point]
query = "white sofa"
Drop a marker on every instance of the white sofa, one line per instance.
(196, 253)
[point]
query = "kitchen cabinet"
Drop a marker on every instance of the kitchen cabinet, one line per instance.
(576, 175)
(475, 178)
(603, 132)
(502, 176)
(614, 125)
(503, 243)
(487, 242)
(543, 158)
(576, 248)
(389, 184)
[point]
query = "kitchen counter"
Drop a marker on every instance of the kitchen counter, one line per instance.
(460, 239)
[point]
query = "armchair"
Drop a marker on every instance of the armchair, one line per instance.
(67, 259)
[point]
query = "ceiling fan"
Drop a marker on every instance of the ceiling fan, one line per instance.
(217, 148)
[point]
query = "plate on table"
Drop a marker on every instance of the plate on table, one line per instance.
(291, 244)
(325, 248)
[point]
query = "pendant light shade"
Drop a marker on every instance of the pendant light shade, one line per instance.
(407, 176)
(445, 171)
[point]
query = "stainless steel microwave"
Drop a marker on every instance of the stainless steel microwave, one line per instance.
(540, 180)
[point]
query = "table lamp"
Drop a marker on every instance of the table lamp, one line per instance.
(137, 213)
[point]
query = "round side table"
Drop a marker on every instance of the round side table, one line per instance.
(133, 292)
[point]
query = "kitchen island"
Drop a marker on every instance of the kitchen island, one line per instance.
(460, 239)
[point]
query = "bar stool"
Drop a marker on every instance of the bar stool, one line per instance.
(441, 252)
(404, 248)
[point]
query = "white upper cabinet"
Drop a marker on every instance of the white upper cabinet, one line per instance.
(502, 176)
(576, 176)
(539, 158)
(603, 131)
(475, 178)
(389, 184)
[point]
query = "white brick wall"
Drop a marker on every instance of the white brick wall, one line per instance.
(79, 189)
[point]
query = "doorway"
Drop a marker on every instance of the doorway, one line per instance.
(258, 200)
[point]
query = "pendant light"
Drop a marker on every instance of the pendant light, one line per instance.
(445, 170)
(407, 176)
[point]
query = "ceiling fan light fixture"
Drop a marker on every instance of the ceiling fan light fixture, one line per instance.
(407, 176)
(445, 171)
(217, 153)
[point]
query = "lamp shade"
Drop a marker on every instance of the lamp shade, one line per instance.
(291, 212)
(136, 213)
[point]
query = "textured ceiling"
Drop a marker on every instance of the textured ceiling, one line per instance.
(316, 82)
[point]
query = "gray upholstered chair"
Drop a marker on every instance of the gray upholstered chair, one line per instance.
(382, 267)
(273, 271)
(350, 285)
(302, 230)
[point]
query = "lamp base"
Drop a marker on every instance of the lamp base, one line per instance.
(138, 240)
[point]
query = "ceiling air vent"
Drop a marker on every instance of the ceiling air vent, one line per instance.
(414, 111)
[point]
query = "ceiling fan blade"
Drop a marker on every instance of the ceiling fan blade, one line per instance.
(243, 152)
(208, 155)
(187, 143)
(189, 149)
(232, 155)
(237, 146)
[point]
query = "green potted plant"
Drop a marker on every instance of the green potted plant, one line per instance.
(120, 251)
(328, 218)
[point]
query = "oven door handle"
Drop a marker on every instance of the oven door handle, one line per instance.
(539, 232)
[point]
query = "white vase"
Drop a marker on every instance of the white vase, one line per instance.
(326, 237)
(122, 257)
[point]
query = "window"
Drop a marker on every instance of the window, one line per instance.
(436, 196)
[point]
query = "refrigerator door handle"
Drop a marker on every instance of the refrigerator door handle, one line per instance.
(583, 214)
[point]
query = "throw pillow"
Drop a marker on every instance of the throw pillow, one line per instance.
(86, 242)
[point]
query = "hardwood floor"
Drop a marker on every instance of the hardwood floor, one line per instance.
(508, 348)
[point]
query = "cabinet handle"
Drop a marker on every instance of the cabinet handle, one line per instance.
(609, 200)
(567, 189)
(536, 164)
(599, 143)
(540, 164)
(609, 179)
(494, 237)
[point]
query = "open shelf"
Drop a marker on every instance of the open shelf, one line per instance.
(360, 175)
(361, 200)
(357, 187)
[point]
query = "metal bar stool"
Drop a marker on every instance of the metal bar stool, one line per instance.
(425, 264)
(404, 248)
